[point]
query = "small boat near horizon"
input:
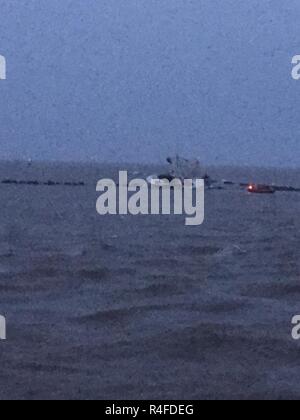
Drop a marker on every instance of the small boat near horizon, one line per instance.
(260, 189)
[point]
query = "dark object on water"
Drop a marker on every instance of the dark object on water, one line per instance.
(74, 184)
(36, 183)
(32, 183)
(260, 189)
(286, 189)
(9, 181)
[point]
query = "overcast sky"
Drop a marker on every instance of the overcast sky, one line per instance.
(136, 80)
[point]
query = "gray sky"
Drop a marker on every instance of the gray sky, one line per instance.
(131, 80)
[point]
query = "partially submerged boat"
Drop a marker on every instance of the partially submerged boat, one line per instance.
(181, 169)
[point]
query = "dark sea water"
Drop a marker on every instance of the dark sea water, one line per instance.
(145, 307)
